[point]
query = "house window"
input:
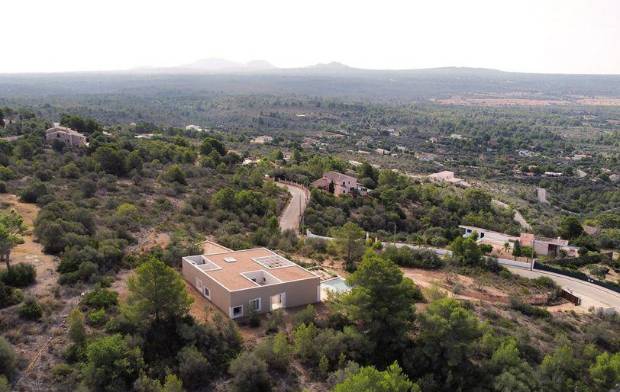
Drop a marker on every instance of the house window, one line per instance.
(236, 311)
(206, 292)
(255, 304)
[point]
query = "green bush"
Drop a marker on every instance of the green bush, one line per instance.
(100, 298)
(8, 359)
(9, 296)
(305, 316)
(249, 374)
(33, 192)
(194, 369)
(529, 310)
(97, 317)
(30, 309)
(414, 258)
(19, 275)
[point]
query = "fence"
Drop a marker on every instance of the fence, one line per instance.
(310, 234)
(570, 297)
(514, 263)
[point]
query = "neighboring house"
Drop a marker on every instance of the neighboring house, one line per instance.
(449, 178)
(252, 280)
(489, 236)
(339, 184)
(548, 246)
(262, 140)
(65, 135)
(193, 127)
(542, 246)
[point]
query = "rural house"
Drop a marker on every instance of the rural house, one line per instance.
(251, 280)
(339, 184)
(542, 246)
(65, 135)
(449, 178)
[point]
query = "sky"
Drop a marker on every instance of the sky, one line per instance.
(549, 36)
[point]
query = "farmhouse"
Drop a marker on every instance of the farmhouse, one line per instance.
(339, 184)
(251, 280)
(65, 135)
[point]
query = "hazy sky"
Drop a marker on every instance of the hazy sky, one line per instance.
(568, 36)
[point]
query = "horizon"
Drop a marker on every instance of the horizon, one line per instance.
(548, 37)
(184, 69)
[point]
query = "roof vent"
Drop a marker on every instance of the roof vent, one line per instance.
(230, 259)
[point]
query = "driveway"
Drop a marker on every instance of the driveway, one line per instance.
(291, 216)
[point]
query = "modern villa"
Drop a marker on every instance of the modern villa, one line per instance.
(251, 280)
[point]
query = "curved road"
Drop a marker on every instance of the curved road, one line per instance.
(290, 218)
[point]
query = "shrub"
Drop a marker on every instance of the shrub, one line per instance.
(70, 170)
(30, 309)
(97, 317)
(174, 174)
(415, 258)
(194, 368)
(305, 316)
(88, 187)
(33, 192)
(249, 373)
(276, 351)
(19, 275)
(8, 359)
(9, 296)
(6, 173)
(112, 364)
(529, 310)
(2, 187)
(100, 298)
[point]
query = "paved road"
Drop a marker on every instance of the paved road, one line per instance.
(591, 295)
(291, 216)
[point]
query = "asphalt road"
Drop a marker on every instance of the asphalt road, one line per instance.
(591, 295)
(291, 216)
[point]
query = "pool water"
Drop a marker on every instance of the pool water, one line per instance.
(338, 285)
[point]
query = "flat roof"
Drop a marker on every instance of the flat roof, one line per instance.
(230, 266)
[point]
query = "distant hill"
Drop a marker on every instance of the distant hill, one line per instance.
(216, 76)
(209, 65)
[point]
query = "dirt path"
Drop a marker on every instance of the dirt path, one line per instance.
(290, 218)
(517, 216)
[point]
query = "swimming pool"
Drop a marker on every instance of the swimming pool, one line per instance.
(338, 285)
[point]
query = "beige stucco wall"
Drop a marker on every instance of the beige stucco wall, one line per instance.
(219, 296)
(298, 293)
